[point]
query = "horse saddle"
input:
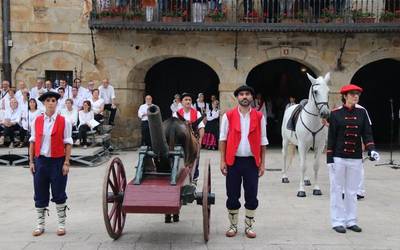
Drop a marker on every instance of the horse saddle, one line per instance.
(291, 124)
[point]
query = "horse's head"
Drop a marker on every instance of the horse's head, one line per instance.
(319, 94)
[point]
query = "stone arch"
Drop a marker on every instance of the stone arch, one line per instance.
(35, 65)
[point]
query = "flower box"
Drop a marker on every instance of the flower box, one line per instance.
(324, 20)
(252, 19)
(171, 19)
(365, 20)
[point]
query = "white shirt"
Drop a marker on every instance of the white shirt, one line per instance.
(85, 117)
(67, 91)
(244, 145)
(13, 115)
(142, 112)
(47, 129)
(61, 104)
(71, 116)
(175, 107)
(51, 90)
(78, 102)
(214, 114)
(34, 93)
(97, 105)
(203, 106)
(82, 92)
(32, 117)
(107, 94)
(40, 106)
(186, 116)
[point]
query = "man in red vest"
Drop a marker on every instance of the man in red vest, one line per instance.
(243, 139)
(49, 154)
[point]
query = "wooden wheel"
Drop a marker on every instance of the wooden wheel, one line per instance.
(206, 204)
(113, 195)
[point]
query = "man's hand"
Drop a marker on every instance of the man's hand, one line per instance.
(65, 169)
(373, 155)
(261, 169)
(32, 167)
(223, 168)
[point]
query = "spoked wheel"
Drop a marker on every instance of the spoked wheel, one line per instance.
(206, 203)
(113, 195)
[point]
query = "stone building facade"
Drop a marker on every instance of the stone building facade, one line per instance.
(53, 35)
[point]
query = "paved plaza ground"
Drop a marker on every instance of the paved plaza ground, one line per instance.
(283, 221)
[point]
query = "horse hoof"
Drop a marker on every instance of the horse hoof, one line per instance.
(285, 180)
(317, 192)
(301, 194)
(307, 183)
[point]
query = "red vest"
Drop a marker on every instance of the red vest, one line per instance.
(234, 135)
(193, 114)
(57, 136)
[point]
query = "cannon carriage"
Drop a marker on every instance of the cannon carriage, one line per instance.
(163, 179)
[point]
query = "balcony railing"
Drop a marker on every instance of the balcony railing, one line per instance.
(248, 15)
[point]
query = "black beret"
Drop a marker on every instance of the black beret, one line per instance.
(186, 94)
(244, 88)
(48, 94)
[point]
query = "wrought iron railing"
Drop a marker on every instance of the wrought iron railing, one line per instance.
(247, 11)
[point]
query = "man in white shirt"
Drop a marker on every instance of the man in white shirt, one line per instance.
(142, 114)
(48, 85)
(176, 104)
(108, 95)
(82, 91)
(18, 94)
(49, 155)
(242, 157)
(12, 119)
(67, 88)
(5, 85)
(192, 116)
(78, 102)
(61, 100)
(35, 90)
(90, 89)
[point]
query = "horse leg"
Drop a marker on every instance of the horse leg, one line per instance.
(285, 145)
(317, 154)
(303, 167)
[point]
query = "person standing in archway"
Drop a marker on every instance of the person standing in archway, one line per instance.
(243, 139)
(142, 114)
(348, 125)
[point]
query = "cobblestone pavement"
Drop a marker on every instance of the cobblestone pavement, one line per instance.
(283, 221)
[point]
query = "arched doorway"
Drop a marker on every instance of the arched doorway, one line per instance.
(276, 81)
(176, 75)
(381, 84)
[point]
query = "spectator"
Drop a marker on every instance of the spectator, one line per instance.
(21, 87)
(7, 99)
(90, 89)
(82, 92)
(41, 106)
(23, 100)
(176, 104)
(70, 113)
(48, 85)
(97, 104)
(85, 116)
(61, 100)
(201, 105)
(35, 90)
(1, 126)
(211, 133)
(260, 104)
(108, 95)
(67, 88)
(5, 85)
(142, 114)
(28, 116)
(292, 101)
(12, 119)
(78, 102)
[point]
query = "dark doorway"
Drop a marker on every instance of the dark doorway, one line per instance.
(178, 75)
(380, 84)
(277, 80)
(55, 76)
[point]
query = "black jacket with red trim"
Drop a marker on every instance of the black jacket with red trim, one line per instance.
(348, 128)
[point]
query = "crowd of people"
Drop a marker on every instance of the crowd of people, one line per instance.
(83, 107)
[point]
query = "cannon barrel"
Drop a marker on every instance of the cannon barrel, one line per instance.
(158, 141)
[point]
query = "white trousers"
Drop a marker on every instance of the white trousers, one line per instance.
(361, 187)
(344, 175)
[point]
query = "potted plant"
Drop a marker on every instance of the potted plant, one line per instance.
(215, 15)
(253, 17)
(387, 17)
(397, 16)
(363, 17)
(174, 16)
(327, 15)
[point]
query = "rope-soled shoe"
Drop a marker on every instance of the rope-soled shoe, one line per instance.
(233, 216)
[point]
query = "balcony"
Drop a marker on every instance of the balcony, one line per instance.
(324, 16)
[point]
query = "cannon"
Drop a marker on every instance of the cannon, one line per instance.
(162, 183)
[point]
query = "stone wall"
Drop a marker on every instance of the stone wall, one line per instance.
(54, 37)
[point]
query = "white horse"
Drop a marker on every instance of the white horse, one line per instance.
(309, 132)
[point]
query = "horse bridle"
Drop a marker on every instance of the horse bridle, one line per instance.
(317, 104)
(314, 133)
